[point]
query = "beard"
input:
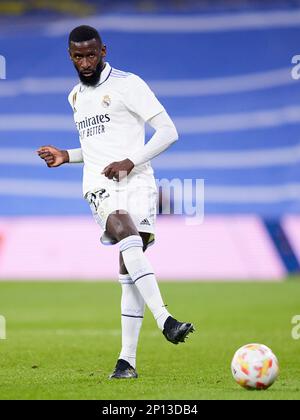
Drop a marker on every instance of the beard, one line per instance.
(94, 79)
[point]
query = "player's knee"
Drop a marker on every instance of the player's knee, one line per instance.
(120, 228)
(123, 232)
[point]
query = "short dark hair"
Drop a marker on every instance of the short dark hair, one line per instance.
(84, 33)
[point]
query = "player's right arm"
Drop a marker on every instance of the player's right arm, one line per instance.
(55, 157)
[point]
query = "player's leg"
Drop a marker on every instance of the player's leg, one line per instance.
(145, 238)
(132, 314)
(122, 228)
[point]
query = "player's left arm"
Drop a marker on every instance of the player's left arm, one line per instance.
(139, 99)
(165, 135)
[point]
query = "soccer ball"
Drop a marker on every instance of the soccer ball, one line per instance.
(255, 366)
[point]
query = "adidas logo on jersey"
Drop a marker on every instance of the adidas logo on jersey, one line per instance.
(145, 222)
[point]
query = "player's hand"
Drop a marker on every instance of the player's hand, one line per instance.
(52, 156)
(118, 170)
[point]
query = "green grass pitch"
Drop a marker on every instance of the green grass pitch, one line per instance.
(63, 340)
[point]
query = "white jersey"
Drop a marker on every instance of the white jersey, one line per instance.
(110, 118)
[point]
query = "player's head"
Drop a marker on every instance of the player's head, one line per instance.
(87, 52)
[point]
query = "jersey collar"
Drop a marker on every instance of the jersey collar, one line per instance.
(105, 74)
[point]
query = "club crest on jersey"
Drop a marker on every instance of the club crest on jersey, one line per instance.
(106, 101)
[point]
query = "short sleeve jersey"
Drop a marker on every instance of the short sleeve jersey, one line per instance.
(110, 119)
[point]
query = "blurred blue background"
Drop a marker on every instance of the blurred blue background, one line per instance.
(221, 69)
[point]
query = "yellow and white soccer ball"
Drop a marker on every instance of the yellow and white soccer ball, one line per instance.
(255, 366)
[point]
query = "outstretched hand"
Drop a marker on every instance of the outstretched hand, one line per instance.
(52, 156)
(118, 170)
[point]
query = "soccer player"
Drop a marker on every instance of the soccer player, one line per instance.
(110, 109)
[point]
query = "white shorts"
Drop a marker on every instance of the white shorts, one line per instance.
(140, 202)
